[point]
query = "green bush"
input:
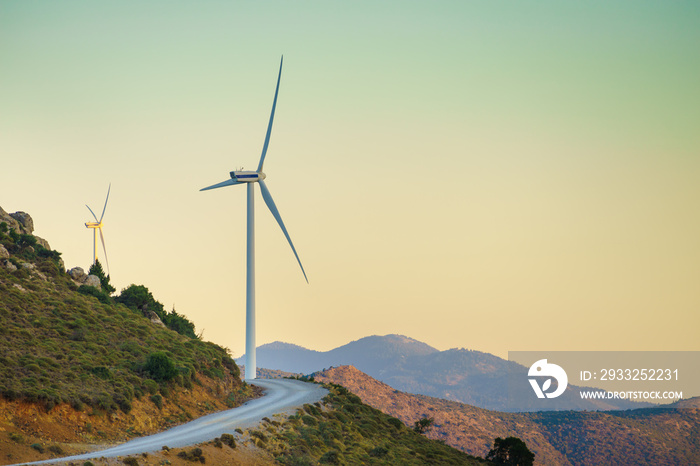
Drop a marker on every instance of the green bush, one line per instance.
(330, 457)
(151, 386)
(157, 400)
(229, 440)
(94, 292)
(160, 367)
(38, 447)
(309, 420)
(56, 449)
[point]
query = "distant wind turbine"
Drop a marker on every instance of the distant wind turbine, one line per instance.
(97, 225)
(251, 177)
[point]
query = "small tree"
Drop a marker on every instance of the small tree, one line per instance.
(511, 451)
(97, 270)
(423, 425)
(180, 324)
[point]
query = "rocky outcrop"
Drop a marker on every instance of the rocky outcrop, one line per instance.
(4, 254)
(25, 220)
(20, 222)
(78, 275)
(42, 242)
(33, 270)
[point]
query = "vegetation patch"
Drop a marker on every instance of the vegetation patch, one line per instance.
(347, 431)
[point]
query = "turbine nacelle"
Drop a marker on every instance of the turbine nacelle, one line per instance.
(247, 176)
(93, 224)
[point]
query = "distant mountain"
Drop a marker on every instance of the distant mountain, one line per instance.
(650, 436)
(372, 353)
(479, 379)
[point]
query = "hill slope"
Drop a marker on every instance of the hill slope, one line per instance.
(647, 436)
(76, 366)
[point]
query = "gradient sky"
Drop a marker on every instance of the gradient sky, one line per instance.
(494, 175)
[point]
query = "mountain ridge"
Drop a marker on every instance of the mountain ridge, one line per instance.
(457, 374)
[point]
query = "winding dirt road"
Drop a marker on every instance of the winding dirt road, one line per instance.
(281, 396)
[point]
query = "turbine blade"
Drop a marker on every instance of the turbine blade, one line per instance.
(272, 117)
(102, 238)
(228, 182)
(105, 207)
(267, 197)
(93, 213)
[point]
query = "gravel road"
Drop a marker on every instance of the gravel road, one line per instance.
(281, 396)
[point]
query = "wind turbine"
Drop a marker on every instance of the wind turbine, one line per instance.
(250, 178)
(97, 225)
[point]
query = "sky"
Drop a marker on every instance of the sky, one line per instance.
(492, 175)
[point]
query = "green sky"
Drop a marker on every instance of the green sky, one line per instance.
(495, 175)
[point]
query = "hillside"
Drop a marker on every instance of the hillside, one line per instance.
(75, 366)
(80, 370)
(472, 377)
(649, 436)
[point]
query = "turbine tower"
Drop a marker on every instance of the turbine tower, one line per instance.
(250, 178)
(97, 225)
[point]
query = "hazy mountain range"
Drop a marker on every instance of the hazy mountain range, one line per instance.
(472, 377)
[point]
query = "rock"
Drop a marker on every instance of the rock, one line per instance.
(4, 254)
(25, 220)
(153, 317)
(43, 243)
(12, 224)
(77, 274)
(94, 281)
(8, 265)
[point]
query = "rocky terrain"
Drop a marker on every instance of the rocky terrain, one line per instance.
(648, 436)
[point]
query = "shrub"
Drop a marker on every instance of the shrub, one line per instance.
(157, 400)
(102, 372)
(38, 447)
(330, 457)
(56, 449)
(396, 423)
(160, 367)
(150, 386)
(309, 420)
(378, 452)
(192, 455)
(15, 437)
(94, 292)
(179, 324)
(130, 461)
(228, 440)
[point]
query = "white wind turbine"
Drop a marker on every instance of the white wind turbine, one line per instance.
(250, 178)
(97, 225)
